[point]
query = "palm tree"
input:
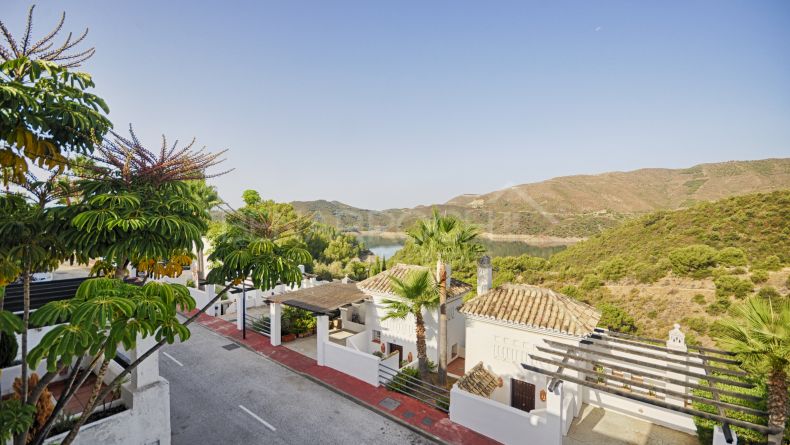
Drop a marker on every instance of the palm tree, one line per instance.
(445, 238)
(418, 292)
(759, 333)
(207, 197)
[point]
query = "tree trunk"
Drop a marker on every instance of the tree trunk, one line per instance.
(120, 269)
(201, 270)
(441, 275)
(89, 407)
(777, 403)
(22, 438)
(422, 350)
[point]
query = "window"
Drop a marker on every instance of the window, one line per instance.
(376, 336)
(454, 350)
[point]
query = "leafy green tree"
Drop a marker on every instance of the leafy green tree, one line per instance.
(759, 332)
(730, 285)
(47, 109)
(138, 208)
(343, 248)
(417, 293)
(445, 238)
(731, 256)
(690, 259)
(259, 245)
(616, 319)
(251, 197)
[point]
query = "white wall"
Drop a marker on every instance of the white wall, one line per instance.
(146, 422)
(360, 365)
(503, 423)
(643, 411)
(360, 342)
(402, 332)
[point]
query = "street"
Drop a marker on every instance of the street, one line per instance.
(220, 396)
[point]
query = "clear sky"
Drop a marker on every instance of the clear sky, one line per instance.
(399, 103)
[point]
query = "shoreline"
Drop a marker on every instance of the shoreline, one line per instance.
(533, 240)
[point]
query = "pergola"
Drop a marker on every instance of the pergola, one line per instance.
(680, 370)
(325, 299)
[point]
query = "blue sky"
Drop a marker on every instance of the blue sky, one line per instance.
(395, 104)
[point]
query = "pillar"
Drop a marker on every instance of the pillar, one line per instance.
(240, 310)
(322, 337)
(676, 342)
(275, 323)
(147, 371)
(211, 293)
(554, 414)
(719, 439)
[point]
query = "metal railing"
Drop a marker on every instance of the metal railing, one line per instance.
(411, 386)
(260, 325)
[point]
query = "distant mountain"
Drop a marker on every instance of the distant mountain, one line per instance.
(576, 206)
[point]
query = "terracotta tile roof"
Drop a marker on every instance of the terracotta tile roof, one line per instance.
(479, 381)
(535, 307)
(381, 282)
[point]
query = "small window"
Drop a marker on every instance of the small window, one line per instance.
(454, 350)
(376, 336)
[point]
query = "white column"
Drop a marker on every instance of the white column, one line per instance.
(676, 342)
(719, 439)
(275, 315)
(211, 292)
(322, 336)
(554, 414)
(239, 310)
(147, 371)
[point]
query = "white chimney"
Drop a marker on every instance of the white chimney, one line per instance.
(485, 275)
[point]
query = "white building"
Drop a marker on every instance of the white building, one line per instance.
(393, 335)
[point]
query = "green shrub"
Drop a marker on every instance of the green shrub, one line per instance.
(591, 282)
(616, 319)
(731, 285)
(8, 349)
(697, 324)
(650, 273)
(571, 291)
(691, 259)
(718, 307)
(731, 256)
(759, 276)
(190, 283)
(771, 262)
(612, 270)
(787, 282)
(401, 381)
(769, 292)
(698, 298)
(738, 271)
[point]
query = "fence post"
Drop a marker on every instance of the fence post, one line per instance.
(322, 336)
(275, 321)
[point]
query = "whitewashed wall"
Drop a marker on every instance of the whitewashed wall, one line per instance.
(402, 332)
(360, 365)
(504, 424)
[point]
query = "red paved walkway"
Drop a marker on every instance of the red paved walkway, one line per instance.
(411, 411)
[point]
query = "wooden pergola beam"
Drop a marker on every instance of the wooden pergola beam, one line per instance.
(650, 375)
(736, 373)
(655, 340)
(763, 429)
(670, 351)
(593, 374)
(710, 378)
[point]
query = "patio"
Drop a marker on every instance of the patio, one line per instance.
(597, 426)
(308, 346)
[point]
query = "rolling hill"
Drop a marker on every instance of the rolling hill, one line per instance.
(575, 206)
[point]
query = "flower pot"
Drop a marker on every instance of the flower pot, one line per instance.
(288, 337)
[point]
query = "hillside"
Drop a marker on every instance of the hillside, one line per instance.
(686, 266)
(575, 206)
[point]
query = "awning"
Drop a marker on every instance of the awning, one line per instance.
(321, 299)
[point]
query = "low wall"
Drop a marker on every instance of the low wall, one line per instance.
(359, 341)
(357, 364)
(642, 411)
(146, 422)
(501, 422)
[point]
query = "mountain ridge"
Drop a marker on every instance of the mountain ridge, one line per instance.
(574, 206)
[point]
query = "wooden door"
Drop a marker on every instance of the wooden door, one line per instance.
(393, 347)
(522, 395)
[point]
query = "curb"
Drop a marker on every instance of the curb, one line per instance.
(345, 395)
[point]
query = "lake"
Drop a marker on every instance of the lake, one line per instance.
(387, 247)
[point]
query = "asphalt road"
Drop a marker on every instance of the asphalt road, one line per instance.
(219, 396)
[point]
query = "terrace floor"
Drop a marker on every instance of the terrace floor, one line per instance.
(597, 426)
(77, 404)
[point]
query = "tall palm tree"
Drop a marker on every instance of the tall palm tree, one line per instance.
(417, 292)
(444, 238)
(759, 332)
(207, 197)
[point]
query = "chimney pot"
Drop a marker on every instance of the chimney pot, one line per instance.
(484, 275)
